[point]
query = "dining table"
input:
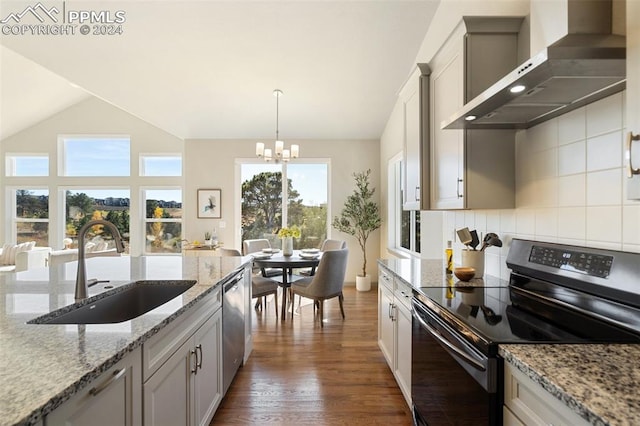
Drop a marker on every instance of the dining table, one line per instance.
(297, 260)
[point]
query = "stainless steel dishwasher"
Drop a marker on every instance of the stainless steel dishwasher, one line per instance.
(232, 327)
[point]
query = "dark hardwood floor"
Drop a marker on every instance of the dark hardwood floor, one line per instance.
(299, 373)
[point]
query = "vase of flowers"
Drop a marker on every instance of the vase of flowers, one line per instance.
(287, 235)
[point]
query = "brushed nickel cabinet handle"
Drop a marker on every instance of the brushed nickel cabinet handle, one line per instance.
(194, 370)
(630, 170)
(417, 194)
(199, 358)
(458, 188)
(115, 376)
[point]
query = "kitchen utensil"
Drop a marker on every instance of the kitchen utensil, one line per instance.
(465, 236)
(474, 240)
(491, 239)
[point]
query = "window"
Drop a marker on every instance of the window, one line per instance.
(27, 165)
(83, 205)
(163, 221)
(95, 156)
(161, 165)
(404, 225)
(32, 216)
(305, 186)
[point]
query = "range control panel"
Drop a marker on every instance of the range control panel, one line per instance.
(596, 265)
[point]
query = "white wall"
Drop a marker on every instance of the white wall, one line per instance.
(89, 117)
(212, 164)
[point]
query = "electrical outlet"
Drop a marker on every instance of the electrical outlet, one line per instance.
(223, 225)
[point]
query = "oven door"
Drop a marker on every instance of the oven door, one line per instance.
(452, 383)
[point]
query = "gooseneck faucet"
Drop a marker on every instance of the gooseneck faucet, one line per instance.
(81, 277)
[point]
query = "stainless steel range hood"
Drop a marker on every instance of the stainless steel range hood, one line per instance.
(580, 68)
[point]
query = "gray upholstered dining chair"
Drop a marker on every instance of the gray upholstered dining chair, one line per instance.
(261, 286)
(326, 283)
(333, 245)
(255, 246)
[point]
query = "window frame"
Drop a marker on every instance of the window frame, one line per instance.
(395, 188)
(10, 163)
(143, 156)
(13, 206)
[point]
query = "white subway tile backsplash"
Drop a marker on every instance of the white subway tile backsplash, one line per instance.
(572, 223)
(493, 221)
(604, 151)
(545, 163)
(572, 158)
(631, 224)
(604, 188)
(543, 136)
(572, 190)
(547, 222)
(547, 193)
(525, 221)
(508, 221)
(604, 224)
(604, 116)
(633, 248)
(572, 126)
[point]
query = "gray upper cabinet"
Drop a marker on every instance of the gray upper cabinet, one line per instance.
(415, 101)
(632, 166)
(472, 169)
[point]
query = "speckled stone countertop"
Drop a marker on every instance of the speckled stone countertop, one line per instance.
(599, 382)
(423, 273)
(41, 366)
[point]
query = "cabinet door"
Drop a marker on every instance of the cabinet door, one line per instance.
(208, 379)
(168, 391)
(386, 323)
(403, 351)
(112, 398)
(411, 106)
(447, 144)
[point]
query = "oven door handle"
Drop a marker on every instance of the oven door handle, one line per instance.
(474, 363)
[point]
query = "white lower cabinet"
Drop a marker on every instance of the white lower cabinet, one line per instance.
(187, 388)
(113, 398)
(394, 328)
(527, 403)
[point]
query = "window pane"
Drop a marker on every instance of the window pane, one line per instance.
(33, 231)
(36, 165)
(261, 201)
(417, 231)
(169, 201)
(161, 166)
(405, 228)
(164, 234)
(99, 156)
(163, 237)
(32, 204)
(308, 203)
(109, 204)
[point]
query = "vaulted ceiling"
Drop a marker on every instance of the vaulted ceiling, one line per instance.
(207, 69)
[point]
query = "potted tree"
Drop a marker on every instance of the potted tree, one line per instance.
(359, 217)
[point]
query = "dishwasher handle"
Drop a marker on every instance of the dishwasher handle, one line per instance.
(232, 285)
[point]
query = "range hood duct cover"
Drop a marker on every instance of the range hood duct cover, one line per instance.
(576, 70)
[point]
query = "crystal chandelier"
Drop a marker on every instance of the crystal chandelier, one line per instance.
(279, 152)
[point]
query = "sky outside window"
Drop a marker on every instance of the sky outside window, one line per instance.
(91, 156)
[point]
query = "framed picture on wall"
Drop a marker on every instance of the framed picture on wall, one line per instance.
(209, 203)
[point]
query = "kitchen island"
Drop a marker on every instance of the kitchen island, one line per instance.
(42, 366)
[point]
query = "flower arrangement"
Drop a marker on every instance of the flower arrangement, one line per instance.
(294, 232)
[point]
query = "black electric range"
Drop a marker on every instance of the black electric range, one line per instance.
(556, 294)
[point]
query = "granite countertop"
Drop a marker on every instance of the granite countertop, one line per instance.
(41, 366)
(429, 273)
(599, 382)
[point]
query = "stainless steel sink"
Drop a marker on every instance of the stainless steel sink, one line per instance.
(121, 304)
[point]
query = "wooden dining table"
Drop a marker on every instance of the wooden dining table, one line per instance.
(288, 264)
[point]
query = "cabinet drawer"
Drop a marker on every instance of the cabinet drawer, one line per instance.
(385, 278)
(532, 404)
(403, 294)
(161, 346)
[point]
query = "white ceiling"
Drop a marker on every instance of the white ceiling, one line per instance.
(207, 69)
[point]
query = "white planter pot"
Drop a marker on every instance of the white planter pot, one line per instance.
(287, 246)
(363, 283)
